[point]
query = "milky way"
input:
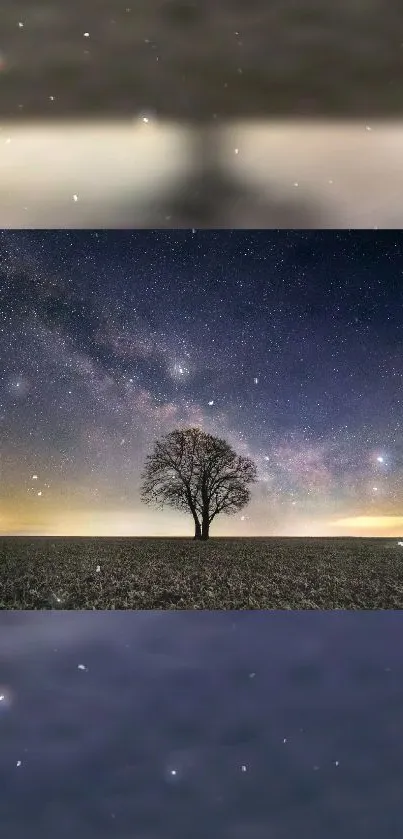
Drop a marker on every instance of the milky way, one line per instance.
(288, 344)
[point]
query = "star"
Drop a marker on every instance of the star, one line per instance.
(112, 338)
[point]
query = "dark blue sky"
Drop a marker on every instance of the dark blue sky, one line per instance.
(164, 724)
(287, 343)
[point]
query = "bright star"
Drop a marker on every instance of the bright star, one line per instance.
(179, 371)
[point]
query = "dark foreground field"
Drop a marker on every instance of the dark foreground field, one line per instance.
(272, 573)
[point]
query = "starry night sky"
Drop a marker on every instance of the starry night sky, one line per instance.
(242, 725)
(289, 344)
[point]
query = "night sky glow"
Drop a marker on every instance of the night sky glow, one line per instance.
(288, 344)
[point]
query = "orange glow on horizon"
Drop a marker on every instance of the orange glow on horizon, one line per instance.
(159, 523)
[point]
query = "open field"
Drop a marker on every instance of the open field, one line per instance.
(270, 573)
(189, 59)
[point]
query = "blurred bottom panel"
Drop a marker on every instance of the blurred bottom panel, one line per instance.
(246, 175)
(163, 725)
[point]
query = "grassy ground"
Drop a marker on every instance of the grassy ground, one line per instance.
(48, 573)
(195, 58)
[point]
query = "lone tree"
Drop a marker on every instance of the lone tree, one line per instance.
(194, 471)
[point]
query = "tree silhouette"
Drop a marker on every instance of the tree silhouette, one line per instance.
(194, 471)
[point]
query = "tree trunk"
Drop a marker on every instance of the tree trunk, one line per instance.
(198, 533)
(205, 528)
(207, 148)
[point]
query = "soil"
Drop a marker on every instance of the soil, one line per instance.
(272, 573)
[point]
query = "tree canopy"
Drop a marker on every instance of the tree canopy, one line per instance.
(193, 471)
